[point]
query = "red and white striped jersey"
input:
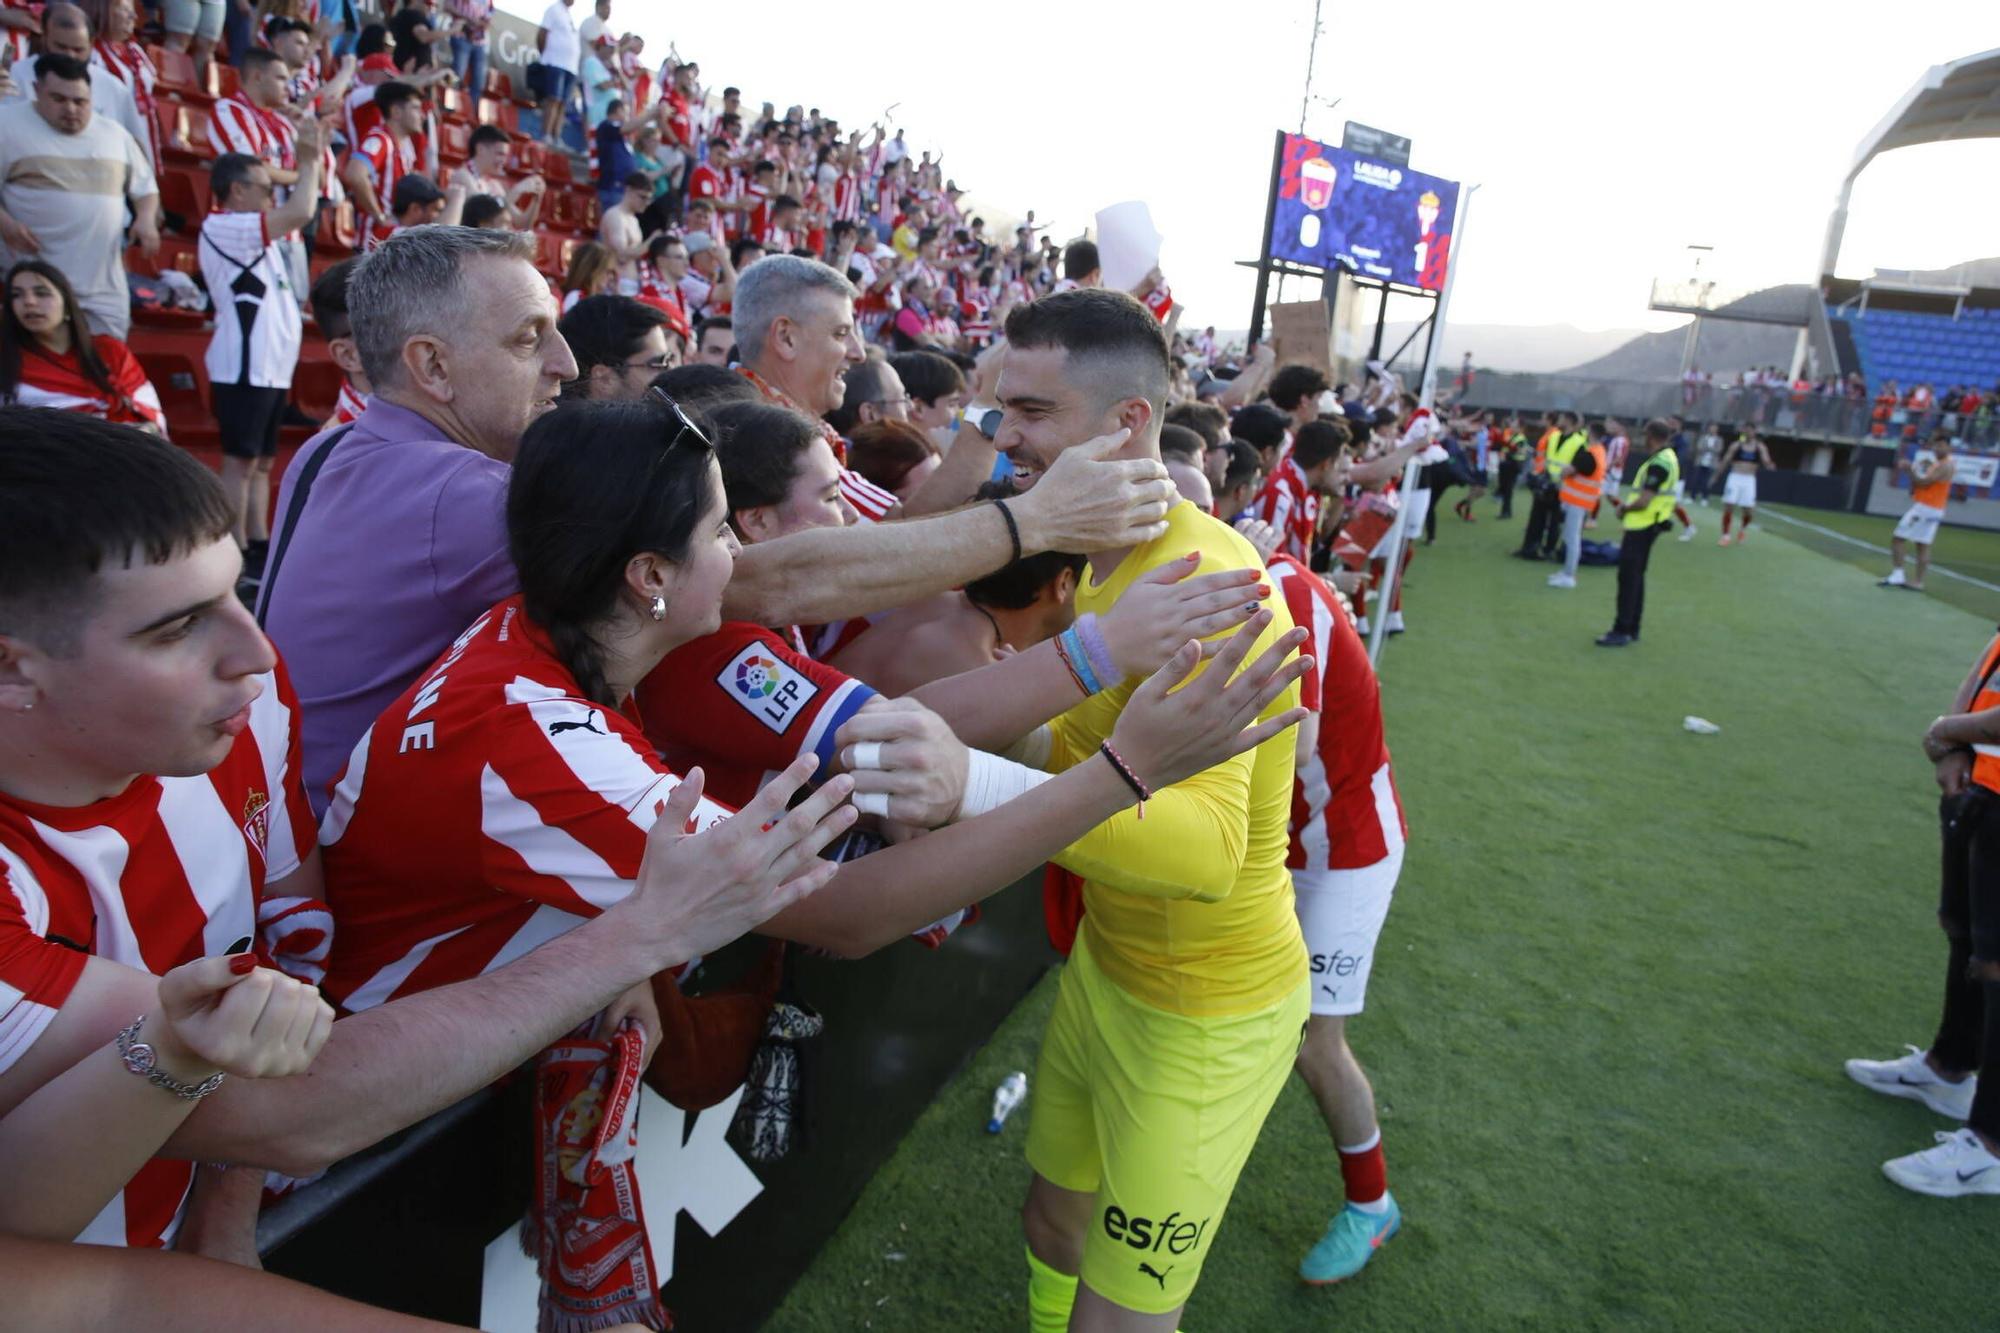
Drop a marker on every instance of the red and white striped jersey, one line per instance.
(167, 871)
(131, 66)
(847, 197)
(349, 406)
(386, 161)
(704, 182)
(1346, 813)
(238, 125)
(1289, 505)
(870, 501)
(489, 810)
(359, 114)
(744, 702)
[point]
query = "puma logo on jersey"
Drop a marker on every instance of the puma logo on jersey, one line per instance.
(588, 724)
(1155, 1274)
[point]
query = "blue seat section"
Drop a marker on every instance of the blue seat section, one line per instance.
(1914, 349)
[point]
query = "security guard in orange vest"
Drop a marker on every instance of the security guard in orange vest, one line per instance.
(1648, 511)
(1578, 489)
(1551, 453)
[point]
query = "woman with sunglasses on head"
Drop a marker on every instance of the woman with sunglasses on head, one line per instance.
(50, 358)
(507, 796)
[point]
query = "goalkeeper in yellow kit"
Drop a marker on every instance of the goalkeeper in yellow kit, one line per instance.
(1181, 1009)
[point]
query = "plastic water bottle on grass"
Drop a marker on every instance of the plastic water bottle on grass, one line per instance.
(1013, 1090)
(1701, 726)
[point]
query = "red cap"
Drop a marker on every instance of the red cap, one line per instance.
(379, 63)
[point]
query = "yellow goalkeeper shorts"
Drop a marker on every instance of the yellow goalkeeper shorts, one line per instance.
(1154, 1113)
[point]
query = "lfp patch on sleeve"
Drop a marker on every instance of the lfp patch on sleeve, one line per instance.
(769, 690)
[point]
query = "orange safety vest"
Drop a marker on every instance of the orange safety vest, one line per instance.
(1541, 463)
(1583, 491)
(1986, 758)
(1932, 493)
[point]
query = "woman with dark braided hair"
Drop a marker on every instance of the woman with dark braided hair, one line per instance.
(50, 358)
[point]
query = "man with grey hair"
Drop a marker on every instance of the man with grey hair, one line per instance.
(796, 339)
(391, 534)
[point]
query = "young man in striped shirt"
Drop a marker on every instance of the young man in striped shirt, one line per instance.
(151, 813)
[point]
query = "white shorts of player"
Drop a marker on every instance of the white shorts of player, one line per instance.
(1740, 489)
(1341, 914)
(1920, 524)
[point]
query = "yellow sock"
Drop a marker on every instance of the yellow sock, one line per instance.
(1050, 1296)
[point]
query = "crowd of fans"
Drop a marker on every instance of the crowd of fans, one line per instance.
(730, 515)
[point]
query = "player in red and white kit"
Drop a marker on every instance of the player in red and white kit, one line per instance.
(1346, 853)
(1290, 500)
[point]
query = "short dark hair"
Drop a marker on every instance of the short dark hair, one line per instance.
(77, 495)
(702, 389)
(761, 447)
(1244, 465)
(1204, 419)
(329, 299)
(1318, 441)
(1295, 383)
(742, 246)
(1080, 260)
(785, 201)
(486, 134)
(1105, 334)
(259, 57)
(713, 322)
(639, 180)
(68, 68)
(229, 171)
(481, 209)
(864, 385)
(393, 94)
(1181, 443)
(1259, 426)
(1015, 587)
(603, 331)
(927, 376)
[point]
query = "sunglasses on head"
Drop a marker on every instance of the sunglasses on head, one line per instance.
(684, 424)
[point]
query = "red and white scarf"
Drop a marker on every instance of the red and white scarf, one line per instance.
(587, 1233)
(48, 380)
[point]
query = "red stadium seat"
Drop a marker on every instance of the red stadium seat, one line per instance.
(184, 190)
(498, 85)
(316, 382)
(221, 79)
(524, 157)
(176, 73)
(555, 167)
(548, 253)
(456, 105)
(454, 142)
(492, 112)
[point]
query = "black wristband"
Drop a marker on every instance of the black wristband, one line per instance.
(1013, 528)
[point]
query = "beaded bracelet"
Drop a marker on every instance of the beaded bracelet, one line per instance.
(1131, 779)
(1091, 635)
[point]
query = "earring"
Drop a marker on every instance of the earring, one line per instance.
(658, 610)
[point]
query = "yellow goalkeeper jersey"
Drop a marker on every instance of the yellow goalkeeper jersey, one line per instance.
(1190, 908)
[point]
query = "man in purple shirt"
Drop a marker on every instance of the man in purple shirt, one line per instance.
(401, 539)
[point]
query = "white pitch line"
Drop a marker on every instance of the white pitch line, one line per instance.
(1879, 550)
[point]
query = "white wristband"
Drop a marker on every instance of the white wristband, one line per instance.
(1033, 749)
(991, 781)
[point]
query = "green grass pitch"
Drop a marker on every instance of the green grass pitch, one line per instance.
(1613, 997)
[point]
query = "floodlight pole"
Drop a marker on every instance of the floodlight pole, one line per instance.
(1385, 597)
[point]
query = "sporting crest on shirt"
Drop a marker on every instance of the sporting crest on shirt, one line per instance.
(766, 688)
(257, 822)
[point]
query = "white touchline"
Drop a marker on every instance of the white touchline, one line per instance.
(1879, 550)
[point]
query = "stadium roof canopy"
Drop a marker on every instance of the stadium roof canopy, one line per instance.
(1959, 100)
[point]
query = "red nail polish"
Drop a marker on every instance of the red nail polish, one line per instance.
(242, 964)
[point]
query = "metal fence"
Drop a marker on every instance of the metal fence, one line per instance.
(1776, 409)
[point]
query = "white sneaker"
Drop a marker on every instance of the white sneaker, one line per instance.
(1895, 580)
(1910, 1077)
(1959, 1165)
(1395, 623)
(1561, 581)
(1687, 533)
(1361, 624)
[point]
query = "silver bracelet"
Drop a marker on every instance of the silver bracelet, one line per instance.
(144, 1061)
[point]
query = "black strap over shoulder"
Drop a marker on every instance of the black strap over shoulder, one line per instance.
(309, 468)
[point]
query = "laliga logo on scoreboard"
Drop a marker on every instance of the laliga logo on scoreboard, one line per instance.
(1376, 174)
